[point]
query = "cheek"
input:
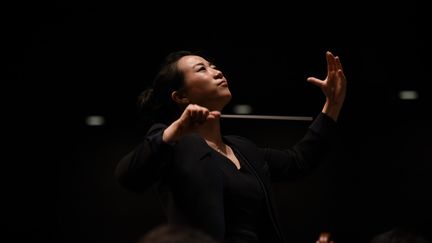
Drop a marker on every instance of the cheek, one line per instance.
(200, 84)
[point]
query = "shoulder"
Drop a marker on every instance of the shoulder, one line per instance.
(155, 128)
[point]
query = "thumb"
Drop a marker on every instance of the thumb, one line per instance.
(214, 115)
(317, 82)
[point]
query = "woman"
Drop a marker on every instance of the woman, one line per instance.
(218, 184)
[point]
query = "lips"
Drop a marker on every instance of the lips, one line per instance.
(223, 82)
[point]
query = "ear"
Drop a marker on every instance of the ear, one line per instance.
(179, 98)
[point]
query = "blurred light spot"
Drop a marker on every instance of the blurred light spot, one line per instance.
(408, 95)
(95, 120)
(242, 109)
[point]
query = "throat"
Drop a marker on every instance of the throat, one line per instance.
(211, 134)
(218, 146)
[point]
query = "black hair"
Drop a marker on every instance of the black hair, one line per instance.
(171, 233)
(155, 103)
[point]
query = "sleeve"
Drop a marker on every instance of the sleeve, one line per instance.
(302, 157)
(144, 165)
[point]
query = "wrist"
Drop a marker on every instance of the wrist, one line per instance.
(331, 110)
(169, 134)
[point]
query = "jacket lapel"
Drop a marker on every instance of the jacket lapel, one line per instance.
(248, 150)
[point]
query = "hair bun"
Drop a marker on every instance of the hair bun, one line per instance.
(146, 104)
(146, 100)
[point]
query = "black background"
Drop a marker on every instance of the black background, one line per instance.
(67, 60)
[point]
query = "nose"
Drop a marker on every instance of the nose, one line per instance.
(217, 73)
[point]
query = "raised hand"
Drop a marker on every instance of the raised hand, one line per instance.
(191, 119)
(333, 86)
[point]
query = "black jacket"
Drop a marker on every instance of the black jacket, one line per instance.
(190, 184)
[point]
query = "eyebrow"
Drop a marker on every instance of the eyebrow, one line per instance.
(203, 64)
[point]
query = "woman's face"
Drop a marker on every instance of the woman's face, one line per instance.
(204, 84)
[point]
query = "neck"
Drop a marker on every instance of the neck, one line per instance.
(210, 131)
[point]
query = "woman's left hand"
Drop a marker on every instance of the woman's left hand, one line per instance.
(333, 86)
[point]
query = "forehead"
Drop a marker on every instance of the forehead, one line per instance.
(188, 62)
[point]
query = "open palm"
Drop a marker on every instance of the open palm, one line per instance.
(334, 85)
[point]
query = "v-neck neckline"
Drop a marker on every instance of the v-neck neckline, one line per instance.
(228, 160)
(234, 151)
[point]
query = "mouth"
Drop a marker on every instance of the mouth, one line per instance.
(223, 83)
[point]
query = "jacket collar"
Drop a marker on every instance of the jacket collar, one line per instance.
(202, 150)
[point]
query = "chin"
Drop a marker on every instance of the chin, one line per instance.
(217, 102)
(227, 99)
(228, 93)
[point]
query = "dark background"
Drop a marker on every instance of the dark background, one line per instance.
(65, 61)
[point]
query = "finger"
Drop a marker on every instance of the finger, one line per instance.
(317, 82)
(186, 117)
(341, 74)
(340, 86)
(214, 115)
(331, 79)
(338, 63)
(194, 114)
(199, 114)
(330, 62)
(203, 115)
(189, 112)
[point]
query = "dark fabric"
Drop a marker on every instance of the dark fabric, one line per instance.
(190, 180)
(244, 200)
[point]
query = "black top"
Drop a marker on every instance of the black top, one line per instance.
(243, 200)
(197, 187)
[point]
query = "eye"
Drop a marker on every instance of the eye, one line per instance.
(202, 68)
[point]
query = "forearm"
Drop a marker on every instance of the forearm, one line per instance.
(172, 133)
(144, 165)
(304, 155)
